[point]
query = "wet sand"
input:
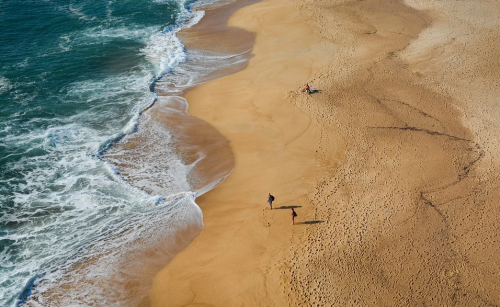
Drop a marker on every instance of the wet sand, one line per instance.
(392, 167)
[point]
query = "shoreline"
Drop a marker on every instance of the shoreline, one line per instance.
(167, 129)
(395, 195)
(239, 203)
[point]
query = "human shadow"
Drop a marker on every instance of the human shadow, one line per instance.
(314, 91)
(288, 207)
(309, 222)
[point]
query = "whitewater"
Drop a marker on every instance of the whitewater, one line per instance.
(78, 77)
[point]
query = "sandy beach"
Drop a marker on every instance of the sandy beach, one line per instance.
(392, 167)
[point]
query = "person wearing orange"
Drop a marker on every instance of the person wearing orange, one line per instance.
(307, 89)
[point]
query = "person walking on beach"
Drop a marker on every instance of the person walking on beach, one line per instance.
(293, 214)
(270, 200)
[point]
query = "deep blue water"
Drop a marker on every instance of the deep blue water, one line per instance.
(73, 76)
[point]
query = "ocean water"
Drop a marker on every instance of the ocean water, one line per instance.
(75, 78)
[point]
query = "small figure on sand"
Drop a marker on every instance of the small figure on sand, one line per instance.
(270, 200)
(310, 90)
(293, 214)
(307, 89)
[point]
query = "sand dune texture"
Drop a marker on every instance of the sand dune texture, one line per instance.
(393, 168)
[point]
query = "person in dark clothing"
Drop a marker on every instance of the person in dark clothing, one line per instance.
(270, 200)
(293, 214)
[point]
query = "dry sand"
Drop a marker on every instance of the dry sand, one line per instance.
(392, 168)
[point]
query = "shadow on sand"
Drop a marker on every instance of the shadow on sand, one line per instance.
(312, 91)
(288, 207)
(309, 222)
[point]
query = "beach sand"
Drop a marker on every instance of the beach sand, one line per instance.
(392, 167)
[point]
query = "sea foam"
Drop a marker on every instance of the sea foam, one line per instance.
(73, 229)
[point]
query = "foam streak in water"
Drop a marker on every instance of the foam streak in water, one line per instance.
(76, 79)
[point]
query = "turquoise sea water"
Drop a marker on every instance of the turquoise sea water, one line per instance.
(74, 77)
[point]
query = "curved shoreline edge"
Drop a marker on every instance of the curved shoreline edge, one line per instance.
(395, 196)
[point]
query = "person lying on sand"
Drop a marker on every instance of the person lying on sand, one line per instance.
(310, 90)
